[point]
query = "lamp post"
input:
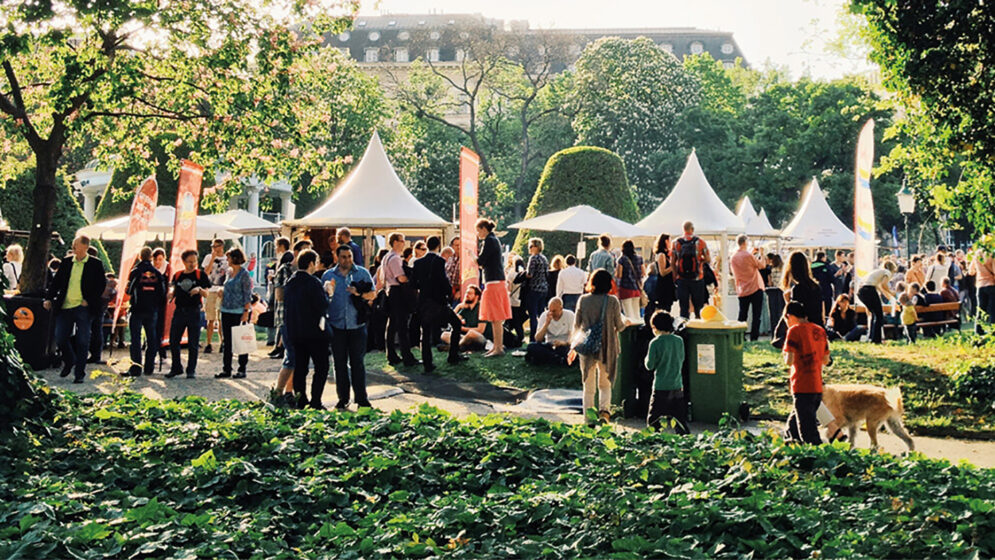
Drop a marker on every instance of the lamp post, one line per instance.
(906, 205)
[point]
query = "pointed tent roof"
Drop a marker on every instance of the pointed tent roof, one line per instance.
(582, 219)
(693, 199)
(765, 223)
(815, 225)
(755, 224)
(746, 210)
(372, 195)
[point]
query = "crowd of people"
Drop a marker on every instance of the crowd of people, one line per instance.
(327, 311)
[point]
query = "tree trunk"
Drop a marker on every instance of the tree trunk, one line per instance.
(34, 270)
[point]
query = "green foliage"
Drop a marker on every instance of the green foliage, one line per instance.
(629, 97)
(579, 175)
(23, 395)
(427, 160)
(15, 201)
(975, 384)
(124, 476)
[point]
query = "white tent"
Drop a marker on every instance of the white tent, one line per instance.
(815, 225)
(372, 196)
(244, 223)
(581, 219)
(693, 199)
(756, 225)
(161, 227)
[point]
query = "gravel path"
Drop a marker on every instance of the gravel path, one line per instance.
(393, 392)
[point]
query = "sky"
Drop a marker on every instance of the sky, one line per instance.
(786, 33)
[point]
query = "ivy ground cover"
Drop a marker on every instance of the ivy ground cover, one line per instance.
(122, 476)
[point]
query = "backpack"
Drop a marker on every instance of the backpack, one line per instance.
(688, 262)
(147, 290)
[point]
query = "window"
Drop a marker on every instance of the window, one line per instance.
(433, 55)
(344, 36)
(434, 35)
(727, 48)
(374, 35)
(372, 55)
(401, 55)
(403, 36)
(697, 47)
(667, 47)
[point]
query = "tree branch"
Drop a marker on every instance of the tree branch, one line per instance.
(174, 117)
(16, 108)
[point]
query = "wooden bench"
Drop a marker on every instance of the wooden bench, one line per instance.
(951, 311)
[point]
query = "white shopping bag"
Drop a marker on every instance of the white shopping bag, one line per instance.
(243, 339)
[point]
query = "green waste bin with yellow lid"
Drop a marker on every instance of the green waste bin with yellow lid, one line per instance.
(713, 363)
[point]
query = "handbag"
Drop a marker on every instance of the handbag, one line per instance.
(591, 344)
(243, 339)
(265, 319)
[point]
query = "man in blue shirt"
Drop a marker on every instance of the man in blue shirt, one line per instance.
(348, 282)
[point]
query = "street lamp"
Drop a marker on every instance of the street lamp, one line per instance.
(906, 205)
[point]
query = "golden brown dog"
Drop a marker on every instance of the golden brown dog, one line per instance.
(851, 404)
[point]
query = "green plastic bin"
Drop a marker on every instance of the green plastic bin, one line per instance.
(629, 360)
(714, 368)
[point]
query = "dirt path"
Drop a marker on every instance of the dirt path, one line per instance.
(393, 392)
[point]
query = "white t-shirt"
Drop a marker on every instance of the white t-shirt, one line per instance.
(219, 273)
(558, 330)
(937, 272)
(12, 270)
(877, 278)
(571, 280)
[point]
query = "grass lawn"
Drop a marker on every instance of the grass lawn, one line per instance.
(924, 372)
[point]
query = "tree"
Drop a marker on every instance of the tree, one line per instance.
(579, 175)
(218, 74)
(939, 58)
(629, 96)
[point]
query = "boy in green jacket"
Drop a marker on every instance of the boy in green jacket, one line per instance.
(665, 358)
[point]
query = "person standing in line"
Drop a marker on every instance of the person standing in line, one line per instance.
(236, 302)
(746, 267)
(602, 258)
(281, 247)
(536, 271)
(343, 282)
(665, 358)
(162, 265)
(629, 272)
(12, 268)
(215, 264)
(806, 350)
(664, 292)
(304, 324)
(875, 285)
(495, 307)
(147, 290)
(434, 306)
(597, 370)
(74, 295)
(344, 237)
(689, 256)
(190, 285)
(570, 283)
(288, 267)
(398, 303)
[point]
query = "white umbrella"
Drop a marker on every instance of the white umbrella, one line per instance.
(243, 223)
(160, 228)
(582, 219)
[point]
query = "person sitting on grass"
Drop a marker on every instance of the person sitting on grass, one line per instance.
(553, 336)
(665, 358)
(806, 350)
(475, 333)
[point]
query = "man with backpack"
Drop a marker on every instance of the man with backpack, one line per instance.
(147, 289)
(689, 255)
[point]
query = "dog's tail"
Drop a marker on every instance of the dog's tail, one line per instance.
(893, 395)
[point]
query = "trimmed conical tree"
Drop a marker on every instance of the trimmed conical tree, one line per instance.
(572, 177)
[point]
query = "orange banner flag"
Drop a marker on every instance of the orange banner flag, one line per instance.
(142, 211)
(184, 227)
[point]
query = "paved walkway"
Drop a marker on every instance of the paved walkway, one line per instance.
(393, 391)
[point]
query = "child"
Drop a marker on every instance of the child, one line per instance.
(909, 317)
(665, 358)
(806, 350)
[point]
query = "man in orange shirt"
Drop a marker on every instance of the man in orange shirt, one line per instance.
(806, 350)
(749, 284)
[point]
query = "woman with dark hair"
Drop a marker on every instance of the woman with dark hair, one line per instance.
(495, 307)
(665, 292)
(798, 285)
(629, 272)
(536, 271)
(775, 297)
(842, 323)
(597, 370)
(236, 301)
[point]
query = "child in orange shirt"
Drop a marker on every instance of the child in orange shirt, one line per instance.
(806, 350)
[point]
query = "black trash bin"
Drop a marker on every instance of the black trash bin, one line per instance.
(633, 383)
(33, 328)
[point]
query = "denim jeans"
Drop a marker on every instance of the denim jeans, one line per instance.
(97, 334)
(348, 352)
(136, 323)
(570, 301)
(73, 349)
(536, 304)
(184, 318)
(690, 292)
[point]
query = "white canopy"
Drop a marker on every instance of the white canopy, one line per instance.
(243, 223)
(582, 219)
(755, 224)
(815, 225)
(693, 199)
(372, 195)
(161, 227)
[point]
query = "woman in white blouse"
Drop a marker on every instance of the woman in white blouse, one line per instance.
(12, 268)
